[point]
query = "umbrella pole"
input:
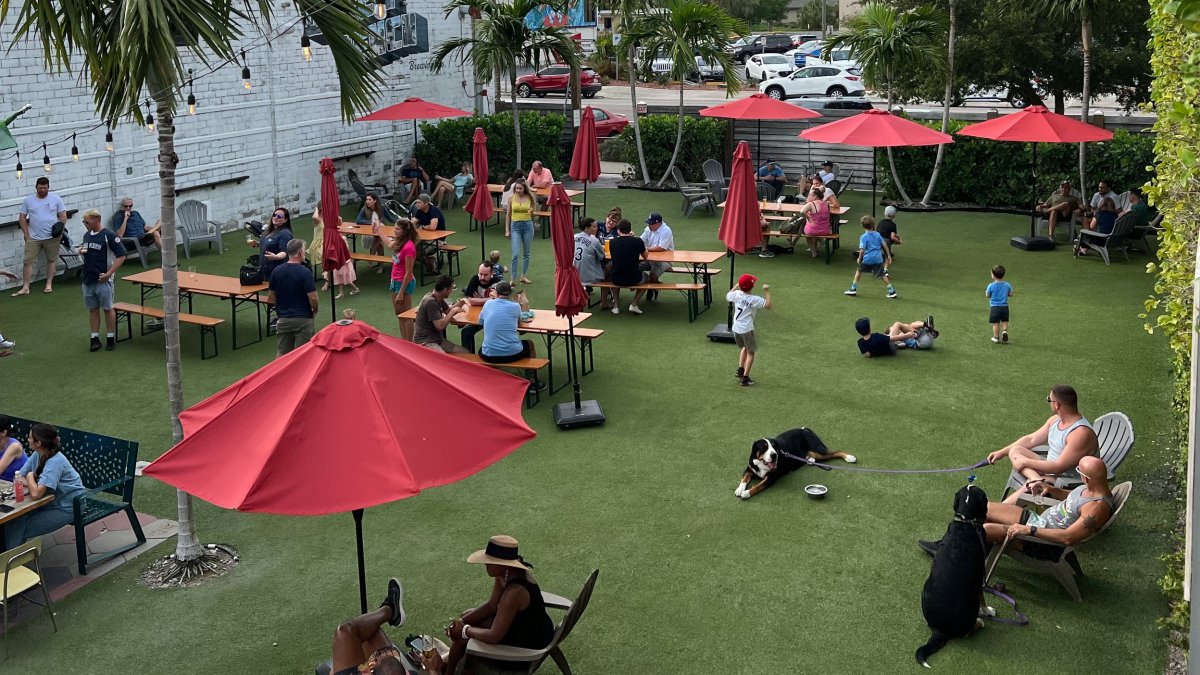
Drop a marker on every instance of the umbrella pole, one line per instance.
(584, 213)
(729, 313)
(332, 302)
(1033, 206)
(758, 153)
(874, 178)
(572, 364)
(362, 565)
(483, 252)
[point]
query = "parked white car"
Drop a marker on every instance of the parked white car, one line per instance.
(839, 57)
(814, 81)
(763, 67)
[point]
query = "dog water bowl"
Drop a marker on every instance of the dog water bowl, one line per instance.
(816, 491)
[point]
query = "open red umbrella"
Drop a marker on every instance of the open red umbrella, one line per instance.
(569, 300)
(1034, 125)
(480, 205)
(334, 252)
(758, 107)
(875, 129)
(354, 385)
(741, 225)
(585, 158)
(413, 109)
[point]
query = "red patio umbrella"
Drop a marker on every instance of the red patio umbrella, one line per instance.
(741, 225)
(569, 300)
(585, 158)
(758, 107)
(413, 109)
(875, 129)
(1034, 125)
(480, 205)
(354, 385)
(334, 252)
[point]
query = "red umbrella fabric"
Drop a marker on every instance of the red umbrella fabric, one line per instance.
(876, 129)
(413, 109)
(335, 429)
(480, 204)
(569, 296)
(585, 158)
(758, 107)
(741, 228)
(1036, 124)
(334, 252)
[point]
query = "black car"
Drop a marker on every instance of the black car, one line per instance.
(764, 44)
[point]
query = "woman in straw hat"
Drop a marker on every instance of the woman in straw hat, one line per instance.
(513, 615)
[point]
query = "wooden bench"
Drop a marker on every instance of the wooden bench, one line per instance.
(452, 262)
(690, 291)
(533, 395)
(105, 466)
(587, 358)
(126, 310)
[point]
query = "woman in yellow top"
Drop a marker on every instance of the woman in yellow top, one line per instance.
(518, 226)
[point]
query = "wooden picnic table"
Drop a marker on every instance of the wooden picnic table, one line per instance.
(792, 208)
(423, 236)
(25, 507)
(696, 261)
(498, 189)
(190, 283)
(544, 323)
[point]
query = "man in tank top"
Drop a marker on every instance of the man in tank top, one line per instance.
(1068, 435)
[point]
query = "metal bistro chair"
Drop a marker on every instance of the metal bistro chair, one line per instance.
(196, 228)
(18, 579)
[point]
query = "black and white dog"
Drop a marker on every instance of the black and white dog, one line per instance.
(773, 458)
(952, 600)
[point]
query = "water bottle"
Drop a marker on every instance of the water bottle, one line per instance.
(18, 489)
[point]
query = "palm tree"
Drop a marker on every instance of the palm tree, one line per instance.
(501, 41)
(887, 42)
(126, 49)
(1084, 10)
(683, 30)
(631, 12)
(946, 99)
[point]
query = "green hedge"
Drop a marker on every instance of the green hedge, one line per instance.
(994, 173)
(702, 139)
(446, 144)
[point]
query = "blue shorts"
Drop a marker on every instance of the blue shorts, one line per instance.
(409, 288)
(98, 295)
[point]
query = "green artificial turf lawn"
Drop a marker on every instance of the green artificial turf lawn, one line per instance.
(692, 579)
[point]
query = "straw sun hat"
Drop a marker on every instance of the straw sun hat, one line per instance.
(501, 550)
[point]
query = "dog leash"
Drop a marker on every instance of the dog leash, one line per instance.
(998, 590)
(829, 467)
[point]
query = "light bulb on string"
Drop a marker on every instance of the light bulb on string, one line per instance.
(45, 159)
(74, 149)
(245, 71)
(149, 118)
(380, 9)
(191, 99)
(306, 47)
(20, 169)
(108, 137)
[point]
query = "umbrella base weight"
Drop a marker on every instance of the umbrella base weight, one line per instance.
(721, 333)
(1033, 243)
(588, 414)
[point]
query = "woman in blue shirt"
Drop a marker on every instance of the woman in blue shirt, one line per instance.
(12, 453)
(272, 247)
(47, 471)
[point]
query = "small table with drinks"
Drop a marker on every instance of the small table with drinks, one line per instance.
(11, 509)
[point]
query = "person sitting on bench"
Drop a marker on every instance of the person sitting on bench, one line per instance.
(627, 252)
(502, 342)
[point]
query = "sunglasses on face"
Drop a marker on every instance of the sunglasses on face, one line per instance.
(278, 215)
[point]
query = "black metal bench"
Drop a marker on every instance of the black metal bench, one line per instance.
(105, 465)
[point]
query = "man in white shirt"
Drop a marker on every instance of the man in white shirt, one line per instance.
(826, 172)
(1102, 190)
(657, 237)
(40, 213)
(745, 306)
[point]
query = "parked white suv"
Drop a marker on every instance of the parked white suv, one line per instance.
(815, 81)
(763, 67)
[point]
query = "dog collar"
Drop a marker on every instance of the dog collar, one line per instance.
(960, 519)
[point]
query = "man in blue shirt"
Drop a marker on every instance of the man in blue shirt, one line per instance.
(414, 178)
(129, 224)
(772, 174)
(499, 319)
(428, 217)
(873, 258)
(102, 255)
(294, 294)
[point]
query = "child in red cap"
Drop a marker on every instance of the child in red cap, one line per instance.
(745, 306)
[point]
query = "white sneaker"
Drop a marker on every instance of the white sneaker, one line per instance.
(996, 340)
(616, 310)
(635, 309)
(6, 344)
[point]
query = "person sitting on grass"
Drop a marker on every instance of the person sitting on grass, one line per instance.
(514, 614)
(873, 258)
(873, 344)
(360, 646)
(915, 335)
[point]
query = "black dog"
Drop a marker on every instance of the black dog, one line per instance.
(953, 596)
(773, 458)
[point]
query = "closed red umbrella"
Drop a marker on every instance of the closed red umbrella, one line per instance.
(334, 252)
(875, 129)
(334, 429)
(585, 158)
(569, 299)
(480, 205)
(741, 225)
(758, 107)
(1036, 124)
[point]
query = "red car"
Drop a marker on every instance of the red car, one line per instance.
(557, 79)
(609, 123)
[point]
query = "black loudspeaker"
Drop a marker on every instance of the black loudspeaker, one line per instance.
(1033, 243)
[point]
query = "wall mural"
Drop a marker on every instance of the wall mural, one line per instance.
(576, 16)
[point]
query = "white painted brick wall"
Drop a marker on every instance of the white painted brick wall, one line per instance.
(231, 134)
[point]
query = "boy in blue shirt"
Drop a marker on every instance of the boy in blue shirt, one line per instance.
(873, 258)
(998, 293)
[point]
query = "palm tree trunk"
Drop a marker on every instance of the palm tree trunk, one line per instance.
(637, 127)
(1086, 35)
(678, 140)
(941, 151)
(904, 198)
(187, 545)
(516, 118)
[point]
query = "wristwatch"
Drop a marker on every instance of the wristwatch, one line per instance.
(1033, 530)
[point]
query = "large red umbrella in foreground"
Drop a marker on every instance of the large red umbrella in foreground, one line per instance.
(1036, 124)
(585, 158)
(335, 429)
(741, 225)
(334, 252)
(480, 204)
(875, 129)
(758, 107)
(569, 300)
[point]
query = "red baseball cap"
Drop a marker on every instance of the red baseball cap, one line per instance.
(746, 282)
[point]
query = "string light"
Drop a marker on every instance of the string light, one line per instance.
(191, 96)
(149, 118)
(380, 9)
(20, 169)
(74, 149)
(108, 139)
(305, 44)
(245, 71)
(45, 159)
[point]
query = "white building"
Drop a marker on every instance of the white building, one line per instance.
(251, 149)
